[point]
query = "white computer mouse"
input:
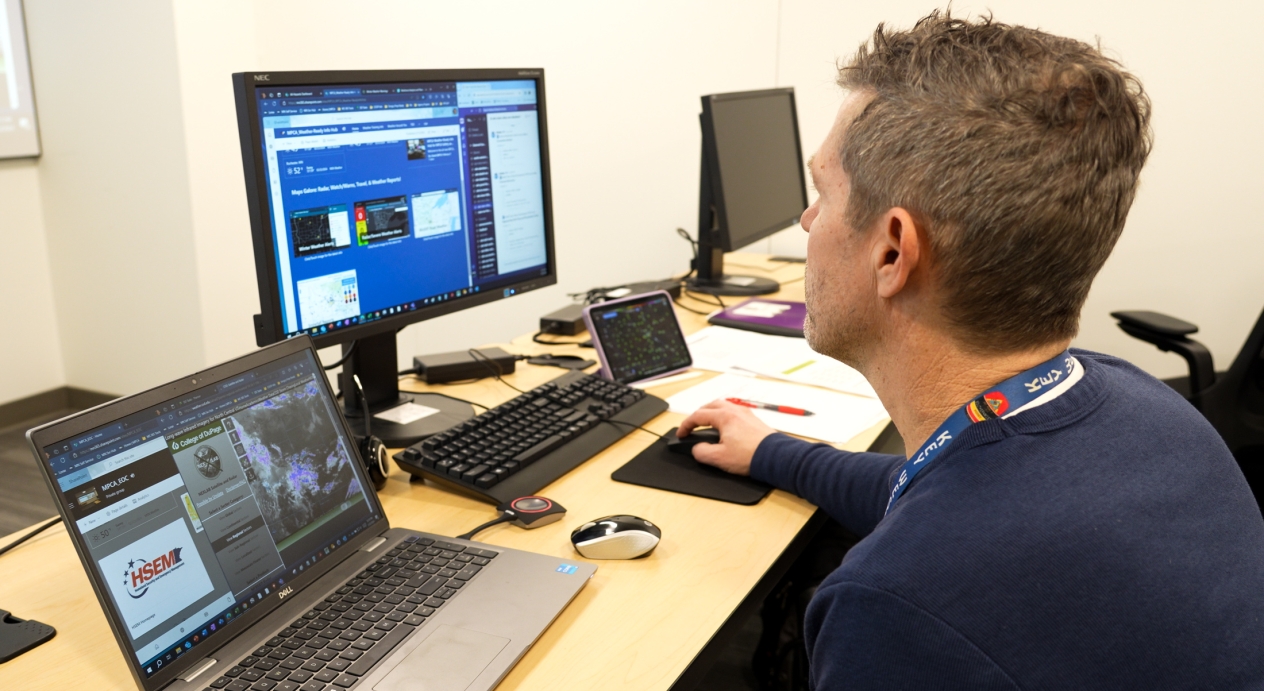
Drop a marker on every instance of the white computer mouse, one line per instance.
(616, 537)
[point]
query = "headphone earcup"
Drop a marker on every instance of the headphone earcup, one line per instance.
(373, 451)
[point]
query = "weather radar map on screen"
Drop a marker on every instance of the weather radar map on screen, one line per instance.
(295, 462)
(197, 509)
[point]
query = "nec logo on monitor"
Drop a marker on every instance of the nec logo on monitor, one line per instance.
(142, 573)
(262, 77)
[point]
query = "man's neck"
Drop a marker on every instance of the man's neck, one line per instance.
(923, 380)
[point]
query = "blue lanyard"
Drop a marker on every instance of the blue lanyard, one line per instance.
(1011, 394)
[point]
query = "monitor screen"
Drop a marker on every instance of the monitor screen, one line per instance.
(194, 510)
(388, 198)
(760, 165)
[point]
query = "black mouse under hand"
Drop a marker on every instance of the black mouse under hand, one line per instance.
(700, 435)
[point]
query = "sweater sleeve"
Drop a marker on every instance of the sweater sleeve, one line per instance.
(860, 638)
(852, 488)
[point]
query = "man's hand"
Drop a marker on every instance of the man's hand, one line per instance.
(740, 434)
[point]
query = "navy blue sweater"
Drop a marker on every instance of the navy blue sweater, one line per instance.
(1104, 540)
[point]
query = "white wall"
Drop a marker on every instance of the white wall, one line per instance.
(143, 205)
(30, 351)
(115, 194)
(1193, 246)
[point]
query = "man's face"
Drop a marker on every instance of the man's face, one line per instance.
(838, 289)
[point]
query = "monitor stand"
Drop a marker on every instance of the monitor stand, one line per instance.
(416, 415)
(711, 279)
(708, 275)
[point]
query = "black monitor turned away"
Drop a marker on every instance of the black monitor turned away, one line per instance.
(379, 199)
(752, 182)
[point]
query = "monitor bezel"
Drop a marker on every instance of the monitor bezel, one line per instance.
(59, 431)
(268, 324)
(711, 158)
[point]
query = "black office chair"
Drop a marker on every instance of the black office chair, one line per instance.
(1233, 400)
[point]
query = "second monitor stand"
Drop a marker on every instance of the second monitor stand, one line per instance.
(399, 418)
(710, 278)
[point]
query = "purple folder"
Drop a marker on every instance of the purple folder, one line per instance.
(777, 317)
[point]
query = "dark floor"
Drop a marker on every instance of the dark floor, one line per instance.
(24, 498)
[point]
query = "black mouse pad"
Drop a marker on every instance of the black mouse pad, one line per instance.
(661, 469)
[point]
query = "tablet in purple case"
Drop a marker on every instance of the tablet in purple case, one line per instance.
(638, 337)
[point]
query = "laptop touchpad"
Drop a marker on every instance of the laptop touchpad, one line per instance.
(448, 660)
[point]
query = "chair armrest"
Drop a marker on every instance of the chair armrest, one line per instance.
(1153, 321)
(1169, 335)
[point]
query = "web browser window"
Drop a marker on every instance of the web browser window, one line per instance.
(387, 197)
(194, 511)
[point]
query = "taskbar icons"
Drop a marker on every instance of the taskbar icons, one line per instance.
(216, 623)
(375, 315)
(444, 297)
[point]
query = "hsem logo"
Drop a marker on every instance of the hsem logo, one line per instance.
(281, 595)
(141, 573)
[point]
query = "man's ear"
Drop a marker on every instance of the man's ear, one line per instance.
(897, 250)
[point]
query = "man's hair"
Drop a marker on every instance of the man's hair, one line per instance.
(1017, 150)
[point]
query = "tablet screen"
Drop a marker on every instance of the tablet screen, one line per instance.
(639, 337)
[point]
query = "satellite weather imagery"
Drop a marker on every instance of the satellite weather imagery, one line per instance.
(296, 465)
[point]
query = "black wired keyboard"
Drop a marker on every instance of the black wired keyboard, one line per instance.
(520, 446)
(344, 636)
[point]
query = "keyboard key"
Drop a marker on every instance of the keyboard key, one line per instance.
(263, 685)
(363, 644)
(265, 665)
(286, 686)
(338, 665)
(278, 674)
(326, 675)
(351, 654)
(379, 651)
(292, 663)
(251, 675)
(221, 683)
(414, 620)
(312, 685)
(237, 685)
(313, 666)
(234, 671)
(346, 680)
(300, 676)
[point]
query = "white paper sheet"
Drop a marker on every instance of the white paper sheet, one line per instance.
(838, 417)
(780, 357)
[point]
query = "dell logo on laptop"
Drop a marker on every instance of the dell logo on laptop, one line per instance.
(281, 595)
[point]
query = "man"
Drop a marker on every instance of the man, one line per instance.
(1063, 520)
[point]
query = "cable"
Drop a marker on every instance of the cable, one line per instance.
(488, 362)
(628, 424)
(345, 356)
(50, 523)
(687, 308)
(504, 518)
(695, 295)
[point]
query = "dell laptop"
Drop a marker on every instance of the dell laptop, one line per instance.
(235, 542)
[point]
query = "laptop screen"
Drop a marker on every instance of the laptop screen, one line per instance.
(194, 510)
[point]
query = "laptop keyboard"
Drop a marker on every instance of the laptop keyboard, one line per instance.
(341, 639)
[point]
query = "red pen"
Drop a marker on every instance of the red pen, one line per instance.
(788, 410)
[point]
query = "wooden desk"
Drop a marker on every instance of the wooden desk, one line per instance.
(637, 625)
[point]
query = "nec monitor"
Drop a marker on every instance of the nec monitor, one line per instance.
(752, 182)
(379, 199)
